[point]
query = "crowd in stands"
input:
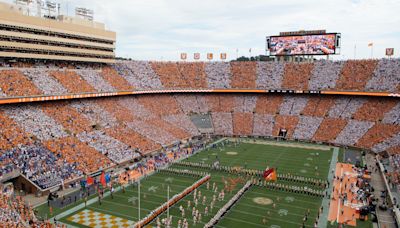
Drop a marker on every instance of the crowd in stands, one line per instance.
(222, 123)
(72, 81)
(243, 75)
(394, 176)
(245, 103)
(194, 74)
(385, 76)
(329, 129)
(325, 74)
(96, 81)
(376, 134)
(98, 133)
(218, 75)
(388, 144)
(183, 121)
(13, 83)
(11, 135)
(221, 103)
(54, 142)
(374, 109)
(192, 103)
(156, 134)
(86, 158)
(285, 123)
(355, 74)
(307, 127)
(353, 131)
(169, 74)
(392, 116)
(341, 120)
(296, 76)
(268, 104)
(133, 139)
(269, 75)
(114, 149)
(318, 106)
(67, 116)
(138, 109)
(293, 105)
(38, 164)
(35, 122)
(15, 213)
(96, 116)
(371, 75)
(175, 131)
(263, 124)
(115, 80)
(139, 74)
(169, 105)
(242, 123)
(351, 75)
(41, 79)
(345, 107)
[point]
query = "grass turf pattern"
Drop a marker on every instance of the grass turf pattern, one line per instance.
(289, 209)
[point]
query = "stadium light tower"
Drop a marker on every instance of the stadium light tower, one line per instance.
(84, 13)
(51, 8)
(167, 203)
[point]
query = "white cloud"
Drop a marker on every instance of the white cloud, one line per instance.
(161, 29)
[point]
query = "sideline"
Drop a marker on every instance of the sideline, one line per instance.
(323, 218)
(117, 189)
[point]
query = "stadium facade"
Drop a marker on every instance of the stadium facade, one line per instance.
(62, 38)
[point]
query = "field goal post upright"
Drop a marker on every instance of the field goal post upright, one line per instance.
(139, 200)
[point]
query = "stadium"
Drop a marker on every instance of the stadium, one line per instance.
(91, 140)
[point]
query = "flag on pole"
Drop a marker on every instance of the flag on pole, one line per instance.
(103, 179)
(270, 174)
(370, 44)
(89, 180)
(108, 177)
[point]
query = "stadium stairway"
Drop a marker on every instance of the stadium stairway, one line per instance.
(385, 218)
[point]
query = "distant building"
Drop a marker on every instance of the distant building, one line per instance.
(53, 38)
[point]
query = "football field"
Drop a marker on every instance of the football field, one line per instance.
(258, 207)
(297, 159)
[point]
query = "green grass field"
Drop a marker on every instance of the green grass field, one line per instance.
(249, 211)
(153, 193)
(297, 161)
(288, 212)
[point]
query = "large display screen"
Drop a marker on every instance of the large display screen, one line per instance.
(322, 44)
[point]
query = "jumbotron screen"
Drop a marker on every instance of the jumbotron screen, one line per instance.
(322, 44)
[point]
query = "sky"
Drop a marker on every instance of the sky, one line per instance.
(162, 29)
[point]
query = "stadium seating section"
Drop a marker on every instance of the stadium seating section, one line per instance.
(15, 213)
(53, 141)
(351, 75)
